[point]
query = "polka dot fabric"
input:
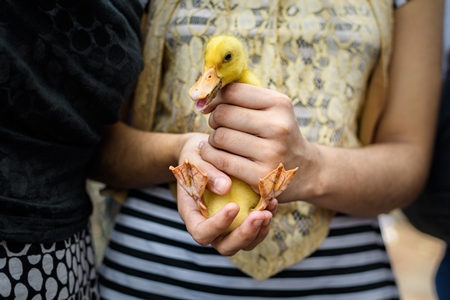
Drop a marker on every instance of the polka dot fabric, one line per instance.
(62, 270)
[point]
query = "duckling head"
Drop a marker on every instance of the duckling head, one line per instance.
(225, 60)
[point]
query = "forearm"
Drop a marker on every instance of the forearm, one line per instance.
(392, 171)
(131, 158)
(365, 181)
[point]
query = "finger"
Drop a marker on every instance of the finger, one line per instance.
(272, 206)
(262, 234)
(233, 165)
(188, 209)
(245, 95)
(205, 231)
(240, 143)
(265, 227)
(248, 243)
(218, 181)
(244, 161)
(240, 118)
(244, 235)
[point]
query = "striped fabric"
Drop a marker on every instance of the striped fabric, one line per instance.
(152, 256)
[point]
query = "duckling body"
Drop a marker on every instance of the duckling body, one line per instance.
(225, 61)
(240, 193)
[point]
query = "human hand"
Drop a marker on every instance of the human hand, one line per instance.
(211, 230)
(218, 181)
(255, 130)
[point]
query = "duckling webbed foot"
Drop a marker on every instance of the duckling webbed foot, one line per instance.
(273, 185)
(193, 181)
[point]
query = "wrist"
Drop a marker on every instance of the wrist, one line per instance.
(179, 144)
(310, 181)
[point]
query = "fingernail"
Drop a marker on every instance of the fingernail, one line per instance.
(200, 145)
(219, 184)
(232, 213)
(257, 223)
(266, 222)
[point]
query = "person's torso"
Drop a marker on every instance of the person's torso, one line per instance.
(66, 69)
(318, 53)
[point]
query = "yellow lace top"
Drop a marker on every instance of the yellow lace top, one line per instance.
(319, 53)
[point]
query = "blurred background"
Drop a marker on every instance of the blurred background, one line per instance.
(414, 256)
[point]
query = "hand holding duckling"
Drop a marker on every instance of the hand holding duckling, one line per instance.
(265, 122)
(226, 62)
(210, 231)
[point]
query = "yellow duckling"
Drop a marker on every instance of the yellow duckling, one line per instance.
(225, 61)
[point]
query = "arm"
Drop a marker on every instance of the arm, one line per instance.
(397, 163)
(365, 181)
(131, 158)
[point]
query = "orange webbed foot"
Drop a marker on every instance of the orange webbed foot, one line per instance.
(274, 184)
(193, 181)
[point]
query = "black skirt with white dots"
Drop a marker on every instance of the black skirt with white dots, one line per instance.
(60, 270)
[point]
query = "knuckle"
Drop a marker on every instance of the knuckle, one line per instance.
(222, 164)
(220, 161)
(249, 248)
(200, 240)
(283, 128)
(220, 114)
(284, 100)
(227, 252)
(219, 137)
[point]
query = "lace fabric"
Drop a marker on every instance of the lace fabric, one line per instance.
(319, 53)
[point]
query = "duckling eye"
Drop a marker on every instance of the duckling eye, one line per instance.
(227, 57)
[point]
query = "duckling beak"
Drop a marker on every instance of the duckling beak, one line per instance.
(205, 89)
